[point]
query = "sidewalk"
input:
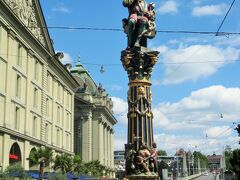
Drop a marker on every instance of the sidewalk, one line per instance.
(191, 177)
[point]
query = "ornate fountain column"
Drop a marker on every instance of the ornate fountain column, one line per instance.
(138, 61)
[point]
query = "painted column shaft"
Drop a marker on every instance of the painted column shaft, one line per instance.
(139, 62)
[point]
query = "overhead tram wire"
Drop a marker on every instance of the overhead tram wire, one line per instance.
(233, 142)
(170, 63)
(159, 31)
(120, 30)
(224, 131)
(158, 63)
(217, 33)
(219, 134)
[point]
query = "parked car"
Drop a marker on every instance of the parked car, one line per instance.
(205, 173)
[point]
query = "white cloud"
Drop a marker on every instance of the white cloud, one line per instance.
(191, 118)
(119, 142)
(216, 10)
(119, 105)
(120, 109)
(218, 132)
(191, 63)
(233, 41)
(196, 111)
(67, 59)
(159, 118)
(61, 8)
(199, 109)
(161, 49)
(171, 143)
(169, 6)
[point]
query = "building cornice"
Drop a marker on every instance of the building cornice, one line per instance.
(85, 102)
(63, 71)
(106, 112)
(89, 105)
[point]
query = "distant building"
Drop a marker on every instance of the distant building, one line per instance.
(93, 120)
(214, 162)
(119, 162)
(119, 159)
(36, 91)
(190, 163)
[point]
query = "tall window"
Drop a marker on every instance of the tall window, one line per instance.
(47, 107)
(67, 121)
(18, 86)
(67, 142)
(17, 116)
(58, 115)
(19, 55)
(68, 100)
(34, 126)
(36, 70)
(35, 97)
(58, 137)
(58, 91)
(46, 132)
(70, 123)
(48, 82)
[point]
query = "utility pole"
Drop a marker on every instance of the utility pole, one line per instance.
(189, 167)
(224, 164)
(177, 169)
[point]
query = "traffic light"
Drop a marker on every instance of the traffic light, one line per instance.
(238, 129)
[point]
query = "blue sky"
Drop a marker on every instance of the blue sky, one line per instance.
(196, 78)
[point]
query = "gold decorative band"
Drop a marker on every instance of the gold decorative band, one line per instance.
(138, 82)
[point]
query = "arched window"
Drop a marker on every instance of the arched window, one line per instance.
(32, 158)
(15, 154)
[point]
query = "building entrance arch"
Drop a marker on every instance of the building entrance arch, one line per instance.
(15, 154)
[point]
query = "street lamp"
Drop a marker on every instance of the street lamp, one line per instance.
(102, 70)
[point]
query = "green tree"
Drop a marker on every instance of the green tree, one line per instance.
(37, 156)
(95, 168)
(15, 169)
(78, 165)
(235, 161)
(203, 159)
(63, 162)
(162, 152)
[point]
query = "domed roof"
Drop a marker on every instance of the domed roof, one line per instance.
(83, 78)
(78, 68)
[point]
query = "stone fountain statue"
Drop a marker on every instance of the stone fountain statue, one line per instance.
(138, 61)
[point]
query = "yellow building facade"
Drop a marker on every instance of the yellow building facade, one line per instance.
(93, 120)
(36, 90)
